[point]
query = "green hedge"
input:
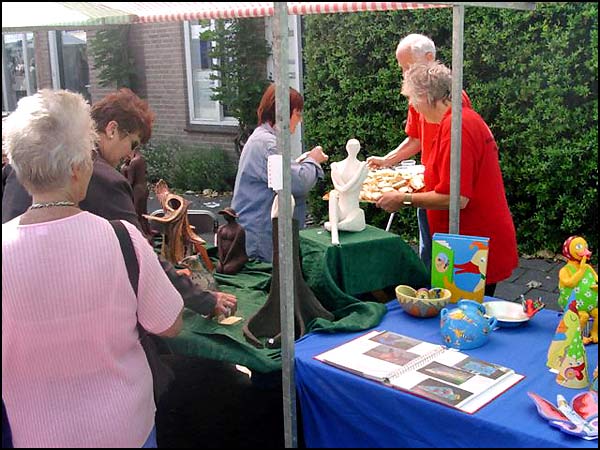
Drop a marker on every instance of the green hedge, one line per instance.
(189, 168)
(532, 75)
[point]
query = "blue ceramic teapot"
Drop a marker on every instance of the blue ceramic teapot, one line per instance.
(466, 326)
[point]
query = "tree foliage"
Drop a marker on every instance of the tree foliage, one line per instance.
(532, 75)
(110, 52)
(240, 50)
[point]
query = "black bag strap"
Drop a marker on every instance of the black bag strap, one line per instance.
(162, 375)
(131, 262)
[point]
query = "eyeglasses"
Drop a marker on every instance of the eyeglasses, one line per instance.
(135, 145)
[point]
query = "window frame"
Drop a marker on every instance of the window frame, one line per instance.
(27, 66)
(57, 61)
(222, 121)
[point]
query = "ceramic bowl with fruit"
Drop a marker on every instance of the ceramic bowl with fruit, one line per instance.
(422, 302)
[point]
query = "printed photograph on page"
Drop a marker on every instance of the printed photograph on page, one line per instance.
(391, 354)
(446, 373)
(395, 340)
(441, 392)
(479, 367)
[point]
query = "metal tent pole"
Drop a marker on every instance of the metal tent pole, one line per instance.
(286, 277)
(458, 22)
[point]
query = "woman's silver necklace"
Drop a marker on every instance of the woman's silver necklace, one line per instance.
(51, 204)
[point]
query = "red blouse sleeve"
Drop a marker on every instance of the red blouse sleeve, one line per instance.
(467, 165)
(412, 128)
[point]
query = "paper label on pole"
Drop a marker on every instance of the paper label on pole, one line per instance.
(275, 172)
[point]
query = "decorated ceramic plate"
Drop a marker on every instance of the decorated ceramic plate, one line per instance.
(508, 314)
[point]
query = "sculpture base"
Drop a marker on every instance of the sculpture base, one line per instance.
(266, 323)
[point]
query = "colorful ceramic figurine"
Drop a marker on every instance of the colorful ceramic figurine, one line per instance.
(532, 307)
(578, 418)
(566, 353)
(579, 278)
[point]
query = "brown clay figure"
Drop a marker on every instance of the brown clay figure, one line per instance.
(231, 244)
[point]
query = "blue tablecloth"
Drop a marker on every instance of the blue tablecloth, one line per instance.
(340, 409)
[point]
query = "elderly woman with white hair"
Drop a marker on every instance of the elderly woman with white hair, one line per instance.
(123, 121)
(484, 208)
(73, 371)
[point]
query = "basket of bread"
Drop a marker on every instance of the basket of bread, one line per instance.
(405, 177)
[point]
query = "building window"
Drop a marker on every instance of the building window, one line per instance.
(18, 69)
(199, 68)
(69, 61)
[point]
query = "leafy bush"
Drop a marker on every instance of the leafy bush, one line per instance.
(160, 158)
(186, 168)
(533, 76)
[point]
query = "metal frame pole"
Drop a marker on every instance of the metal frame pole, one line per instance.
(286, 277)
(458, 22)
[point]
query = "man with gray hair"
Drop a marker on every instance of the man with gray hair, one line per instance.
(415, 48)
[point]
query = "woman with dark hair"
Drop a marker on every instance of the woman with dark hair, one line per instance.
(252, 197)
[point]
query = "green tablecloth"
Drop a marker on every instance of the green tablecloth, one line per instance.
(367, 261)
(205, 338)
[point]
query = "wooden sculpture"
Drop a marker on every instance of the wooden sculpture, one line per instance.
(231, 244)
(179, 238)
(266, 323)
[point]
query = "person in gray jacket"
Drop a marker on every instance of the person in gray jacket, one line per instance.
(252, 197)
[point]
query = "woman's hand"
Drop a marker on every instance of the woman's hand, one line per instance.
(318, 155)
(226, 304)
(390, 201)
(375, 162)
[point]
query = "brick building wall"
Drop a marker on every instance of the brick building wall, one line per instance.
(165, 81)
(43, 71)
(159, 55)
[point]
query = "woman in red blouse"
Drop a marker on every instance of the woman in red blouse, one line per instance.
(484, 209)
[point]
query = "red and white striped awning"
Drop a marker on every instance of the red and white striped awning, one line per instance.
(64, 15)
(147, 12)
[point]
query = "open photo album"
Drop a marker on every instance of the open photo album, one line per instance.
(421, 368)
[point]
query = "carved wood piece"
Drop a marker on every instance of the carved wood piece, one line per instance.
(179, 238)
(267, 322)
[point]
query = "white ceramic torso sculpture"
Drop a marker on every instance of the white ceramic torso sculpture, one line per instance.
(348, 176)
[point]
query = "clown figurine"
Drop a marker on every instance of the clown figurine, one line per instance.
(579, 280)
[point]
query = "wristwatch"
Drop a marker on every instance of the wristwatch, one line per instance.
(407, 199)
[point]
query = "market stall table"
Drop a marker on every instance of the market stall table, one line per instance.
(204, 337)
(340, 409)
(365, 261)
